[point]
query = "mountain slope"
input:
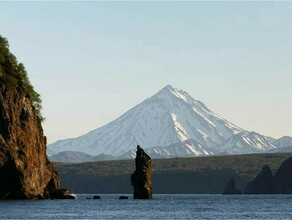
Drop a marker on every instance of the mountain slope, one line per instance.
(284, 141)
(246, 143)
(71, 157)
(187, 148)
(78, 157)
(170, 116)
(282, 150)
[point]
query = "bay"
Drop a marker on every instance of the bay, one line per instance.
(161, 207)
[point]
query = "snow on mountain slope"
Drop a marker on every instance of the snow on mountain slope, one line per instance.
(284, 141)
(246, 143)
(187, 148)
(170, 116)
(287, 149)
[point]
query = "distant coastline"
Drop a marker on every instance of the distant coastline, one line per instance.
(202, 175)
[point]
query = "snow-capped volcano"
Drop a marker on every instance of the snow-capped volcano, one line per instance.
(168, 117)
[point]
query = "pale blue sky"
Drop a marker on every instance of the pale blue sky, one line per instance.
(93, 61)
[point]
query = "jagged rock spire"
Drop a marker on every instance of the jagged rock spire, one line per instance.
(141, 179)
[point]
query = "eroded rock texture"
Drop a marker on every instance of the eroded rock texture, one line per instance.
(25, 171)
(142, 177)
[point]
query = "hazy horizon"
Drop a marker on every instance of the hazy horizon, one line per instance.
(93, 61)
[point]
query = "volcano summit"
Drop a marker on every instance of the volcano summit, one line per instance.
(169, 124)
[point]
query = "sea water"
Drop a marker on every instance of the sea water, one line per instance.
(160, 207)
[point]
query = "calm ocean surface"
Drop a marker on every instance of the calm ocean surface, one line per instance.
(161, 207)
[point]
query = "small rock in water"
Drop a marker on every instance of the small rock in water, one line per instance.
(96, 197)
(123, 197)
(69, 196)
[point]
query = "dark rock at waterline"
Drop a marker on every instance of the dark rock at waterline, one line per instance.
(70, 197)
(59, 193)
(262, 183)
(123, 197)
(231, 188)
(15, 195)
(96, 197)
(62, 194)
(141, 179)
(282, 183)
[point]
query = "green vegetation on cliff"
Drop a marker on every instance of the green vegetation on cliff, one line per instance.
(14, 75)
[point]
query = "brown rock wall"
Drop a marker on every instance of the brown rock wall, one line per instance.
(142, 177)
(25, 171)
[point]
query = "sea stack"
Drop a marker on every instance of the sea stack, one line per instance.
(141, 179)
(282, 183)
(262, 183)
(231, 188)
(25, 171)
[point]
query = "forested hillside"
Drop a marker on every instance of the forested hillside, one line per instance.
(177, 175)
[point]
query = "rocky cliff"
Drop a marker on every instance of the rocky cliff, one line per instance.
(262, 183)
(25, 171)
(282, 183)
(142, 177)
(265, 183)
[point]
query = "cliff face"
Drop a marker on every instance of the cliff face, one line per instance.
(142, 177)
(265, 183)
(25, 171)
(262, 183)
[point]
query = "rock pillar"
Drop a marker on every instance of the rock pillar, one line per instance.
(141, 179)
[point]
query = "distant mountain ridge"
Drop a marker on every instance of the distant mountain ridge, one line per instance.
(78, 157)
(247, 143)
(284, 141)
(168, 124)
(284, 145)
